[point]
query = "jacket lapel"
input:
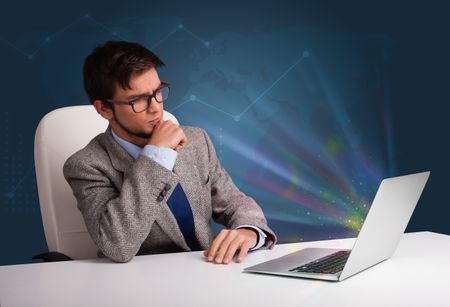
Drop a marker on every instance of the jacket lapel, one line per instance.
(189, 181)
(121, 161)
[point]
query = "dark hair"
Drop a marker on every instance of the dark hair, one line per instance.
(114, 63)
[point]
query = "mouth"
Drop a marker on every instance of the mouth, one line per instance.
(154, 122)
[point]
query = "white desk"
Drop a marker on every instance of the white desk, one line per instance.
(417, 275)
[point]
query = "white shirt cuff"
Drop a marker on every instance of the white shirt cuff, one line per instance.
(261, 238)
(162, 155)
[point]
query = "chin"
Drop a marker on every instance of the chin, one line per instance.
(147, 132)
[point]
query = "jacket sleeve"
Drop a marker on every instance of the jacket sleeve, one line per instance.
(231, 207)
(118, 221)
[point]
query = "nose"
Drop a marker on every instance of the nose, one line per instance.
(154, 106)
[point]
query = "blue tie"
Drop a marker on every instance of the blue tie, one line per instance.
(181, 209)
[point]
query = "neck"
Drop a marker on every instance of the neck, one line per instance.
(139, 141)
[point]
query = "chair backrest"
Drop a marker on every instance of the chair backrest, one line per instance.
(60, 134)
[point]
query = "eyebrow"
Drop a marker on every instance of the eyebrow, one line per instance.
(131, 97)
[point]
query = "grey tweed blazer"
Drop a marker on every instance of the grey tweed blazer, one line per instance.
(125, 212)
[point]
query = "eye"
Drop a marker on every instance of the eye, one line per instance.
(139, 100)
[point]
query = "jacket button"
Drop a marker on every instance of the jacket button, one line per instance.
(163, 193)
(160, 198)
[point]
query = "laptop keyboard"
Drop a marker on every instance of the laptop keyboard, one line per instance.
(330, 264)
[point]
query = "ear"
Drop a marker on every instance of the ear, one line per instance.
(105, 111)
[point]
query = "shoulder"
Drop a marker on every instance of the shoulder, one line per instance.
(193, 131)
(199, 141)
(196, 135)
(94, 152)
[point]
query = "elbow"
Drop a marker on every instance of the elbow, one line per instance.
(119, 249)
(123, 254)
(122, 258)
(119, 254)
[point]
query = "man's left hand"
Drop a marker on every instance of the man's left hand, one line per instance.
(228, 241)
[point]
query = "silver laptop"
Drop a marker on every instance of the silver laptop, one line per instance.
(378, 238)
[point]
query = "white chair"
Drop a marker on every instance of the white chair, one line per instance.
(59, 134)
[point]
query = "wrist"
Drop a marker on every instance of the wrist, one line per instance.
(155, 144)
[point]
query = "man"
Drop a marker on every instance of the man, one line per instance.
(147, 185)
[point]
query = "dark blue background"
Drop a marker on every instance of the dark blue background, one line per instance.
(43, 45)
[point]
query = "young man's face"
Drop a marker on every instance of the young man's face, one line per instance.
(137, 127)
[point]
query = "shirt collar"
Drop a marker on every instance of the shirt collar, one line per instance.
(131, 148)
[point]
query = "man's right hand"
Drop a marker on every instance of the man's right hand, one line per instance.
(168, 134)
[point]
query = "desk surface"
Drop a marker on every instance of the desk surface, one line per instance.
(415, 276)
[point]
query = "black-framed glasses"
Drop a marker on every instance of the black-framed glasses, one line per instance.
(142, 103)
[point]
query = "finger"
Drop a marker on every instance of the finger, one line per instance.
(160, 123)
(205, 254)
(179, 137)
(215, 244)
(232, 248)
(183, 141)
(225, 244)
(244, 251)
(157, 126)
